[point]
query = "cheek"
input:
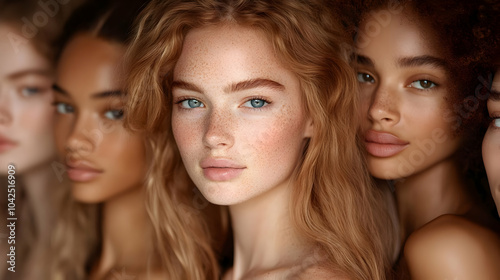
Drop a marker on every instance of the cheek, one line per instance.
(122, 155)
(491, 151)
(37, 119)
(187, 133)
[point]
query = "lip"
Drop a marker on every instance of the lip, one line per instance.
(383, 144)
(6, 144)
(220, 169)
(82, 171)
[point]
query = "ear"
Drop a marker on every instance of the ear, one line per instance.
(309, 131)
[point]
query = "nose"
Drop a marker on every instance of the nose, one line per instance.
(219, 130)
(84, 137)
(5, 104)
(384, 106)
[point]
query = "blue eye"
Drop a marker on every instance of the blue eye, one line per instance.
(423, 84)
(63, 108)
(29, 91)
(365, 78)
(114, 114)
(191, 103)
(256, 103)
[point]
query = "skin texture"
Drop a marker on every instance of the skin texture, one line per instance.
(26, 124)
(265, 142)
(443, 224)
(491, 142)
(89, 128)
(221, 69)
(89, 131)
(26, 114)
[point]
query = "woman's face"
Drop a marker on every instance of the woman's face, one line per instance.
(238, 117)
(404, 87)
(26, 113)
(491, 141)
(103, 159)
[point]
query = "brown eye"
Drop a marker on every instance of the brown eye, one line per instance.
(423, 84)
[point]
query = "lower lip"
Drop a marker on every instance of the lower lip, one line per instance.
(80, 175)
(6, 146)
(222, 174)
(384, 150)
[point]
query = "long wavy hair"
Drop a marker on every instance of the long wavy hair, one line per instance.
(77, 241)
(335, 203)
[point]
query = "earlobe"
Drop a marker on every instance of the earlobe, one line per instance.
(309, 131)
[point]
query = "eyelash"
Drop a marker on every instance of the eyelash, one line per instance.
(109, 109)
(266, 100)
(492, 122)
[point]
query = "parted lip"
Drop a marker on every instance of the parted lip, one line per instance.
(378, 137)
(220, 163)
(82, 165)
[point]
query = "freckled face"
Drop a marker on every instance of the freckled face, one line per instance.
(104, 160)
(404, 86)
(26, 113)
(237, 115)
(491, 142)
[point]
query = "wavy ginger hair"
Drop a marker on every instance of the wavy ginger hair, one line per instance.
(335, 203)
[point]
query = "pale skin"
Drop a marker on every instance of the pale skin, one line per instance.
(106, 163)
(491, 141)
(26, 136)
(240, 128)
(404, 84)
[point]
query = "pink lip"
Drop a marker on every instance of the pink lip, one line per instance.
(382, 144)
(6, 144)
(221, 169)
(81, 171)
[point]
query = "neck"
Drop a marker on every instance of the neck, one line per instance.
(264, 236)
(126, 234)
(431, 193)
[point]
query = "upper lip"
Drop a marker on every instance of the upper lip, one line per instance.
(220, 163)
(5, 140)
(379, 137)
(81, 165)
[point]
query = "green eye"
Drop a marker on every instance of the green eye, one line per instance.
(365, 78)
(114, 114)
(63, 108)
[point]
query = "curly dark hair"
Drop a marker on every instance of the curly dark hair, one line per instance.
(467, 35)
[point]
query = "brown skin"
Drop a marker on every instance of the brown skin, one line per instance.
(89, 130)
(444, 225)
(491, 142)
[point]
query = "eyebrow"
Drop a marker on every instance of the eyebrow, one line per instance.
(243, 85)
(363, 60)
(38, 72)
(424, 60)
(404, 62)
(104, 94)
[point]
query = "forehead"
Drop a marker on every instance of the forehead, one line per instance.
(401, 33)
(89, 65)
(18, 54)
(224, 47)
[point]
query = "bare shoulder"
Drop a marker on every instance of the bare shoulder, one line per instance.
(452, 247)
